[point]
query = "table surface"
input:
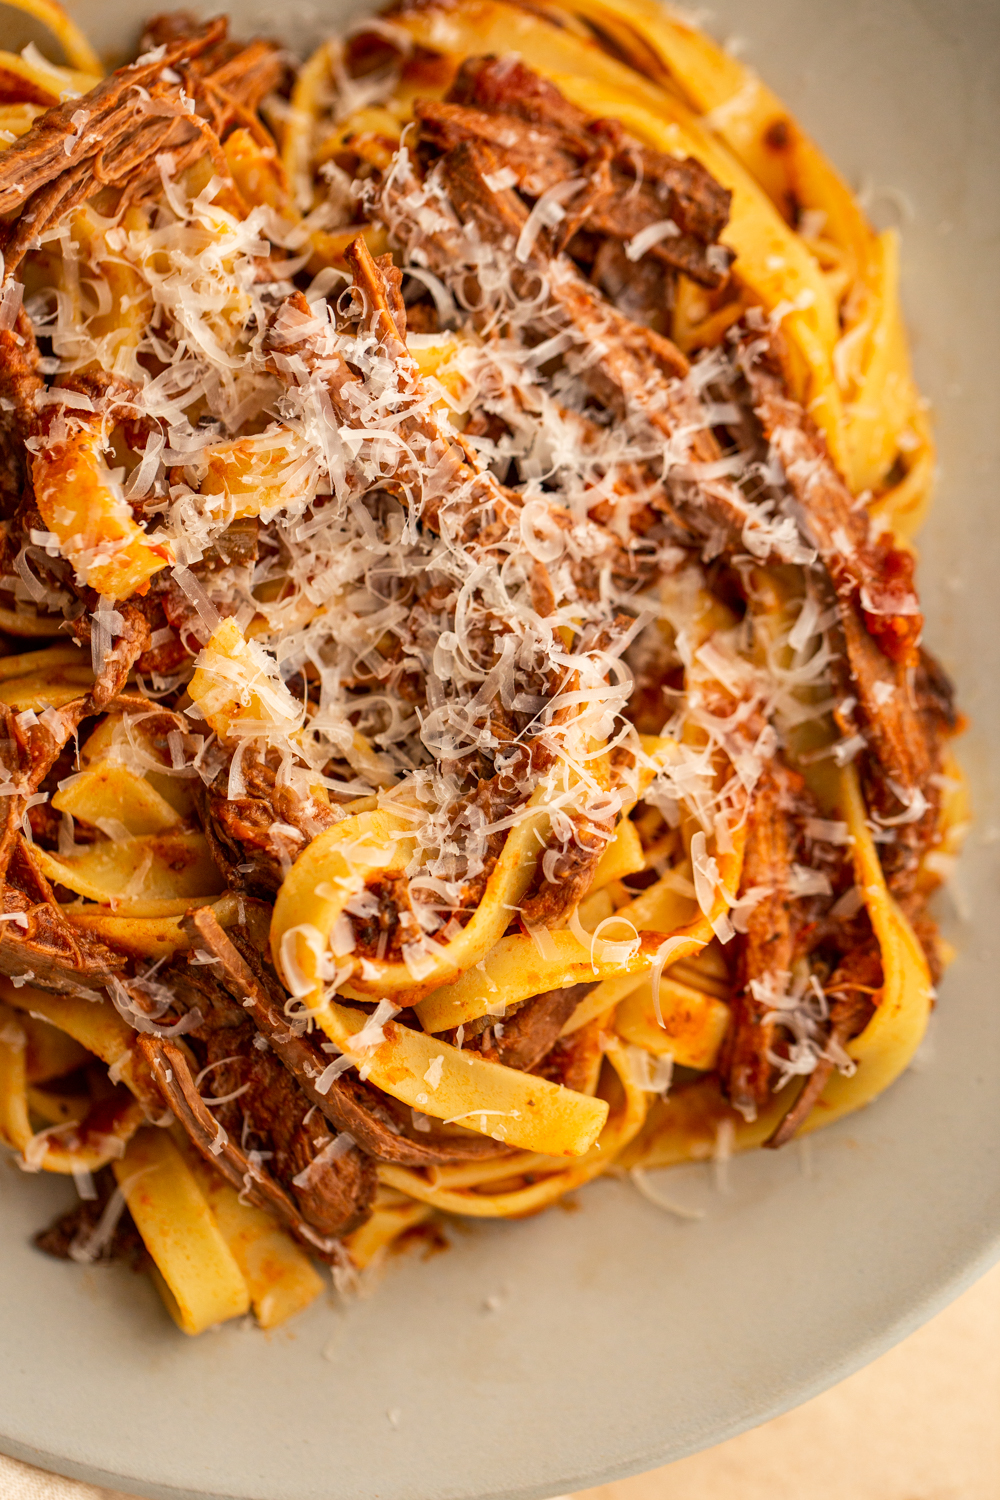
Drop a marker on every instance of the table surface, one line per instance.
(921, 1423)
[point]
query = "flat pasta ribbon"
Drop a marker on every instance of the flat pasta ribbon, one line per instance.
(200, 1278)
(459, 1190)
(519, 967)
(461, 1087)
(686, 1126)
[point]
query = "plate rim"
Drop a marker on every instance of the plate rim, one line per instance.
(953, 1274)
(946, 1289)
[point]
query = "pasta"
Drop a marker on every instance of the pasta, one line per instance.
(483, 464)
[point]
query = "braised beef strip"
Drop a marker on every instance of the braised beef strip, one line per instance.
(347, 1102)
(624, 188)
(133, 118)
(764, 954)
(855, 986)
(249, 1118)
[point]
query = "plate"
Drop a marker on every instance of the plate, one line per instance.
(543, 1357)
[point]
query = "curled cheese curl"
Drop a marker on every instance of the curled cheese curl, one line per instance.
(486, 1097)
(82, 504)
(200, 1280)
(664, 907)
(461, 1192)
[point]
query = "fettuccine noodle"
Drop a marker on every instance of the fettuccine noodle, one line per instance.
(465, 722)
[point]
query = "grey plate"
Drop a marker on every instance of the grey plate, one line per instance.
(618, 1337)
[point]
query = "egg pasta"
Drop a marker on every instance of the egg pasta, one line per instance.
(465, 722)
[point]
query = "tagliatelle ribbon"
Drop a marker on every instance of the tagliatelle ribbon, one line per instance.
(335, 866)
(519, 967)
(888, 1043)
(685, 1127)
(460, 1191)
(462, 1087)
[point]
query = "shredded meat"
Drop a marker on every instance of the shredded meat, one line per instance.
(528, 1034)
(53, 954)
(365, 1113)
(86, 1235)
(40, 944)
(854, 986)
(624, 187)
(254, 838)
(879, 628)
(20, 383)
(572, 873)
(285, 1159)
(869, 573)
(764, 953)
(133, 118)
(447, 478)
(628, 368)
(573, 1060)
(127, 647)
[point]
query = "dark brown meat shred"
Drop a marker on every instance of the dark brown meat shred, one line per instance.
(527, 1035)
(284, 1159)
(866, 571)
(853, 986)
(74, 1234)
(256, 837)
(764, 954)
(377, 1122)
(545, 140)
(133, 117)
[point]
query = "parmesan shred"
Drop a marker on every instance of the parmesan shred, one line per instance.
(504, 750)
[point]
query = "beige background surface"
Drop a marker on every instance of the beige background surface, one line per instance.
(921, 1423)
